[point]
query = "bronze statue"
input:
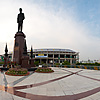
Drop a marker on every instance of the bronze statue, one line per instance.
(20, 19)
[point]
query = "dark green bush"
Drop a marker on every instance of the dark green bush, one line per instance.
(44, 70)
(36, 63)
(65, 63)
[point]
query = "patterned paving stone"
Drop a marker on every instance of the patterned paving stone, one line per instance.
(63, 84)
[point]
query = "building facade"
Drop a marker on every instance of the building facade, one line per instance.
(52, 56)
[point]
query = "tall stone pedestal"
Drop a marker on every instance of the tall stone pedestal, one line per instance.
(18, 47)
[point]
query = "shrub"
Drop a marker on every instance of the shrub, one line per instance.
(65, 63)
(36, 63)
(44, 70)
(57, 63)
(1, 63)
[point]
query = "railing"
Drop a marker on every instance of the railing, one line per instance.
(77, 66)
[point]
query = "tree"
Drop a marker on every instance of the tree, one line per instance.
(65, 63)
(36, 63)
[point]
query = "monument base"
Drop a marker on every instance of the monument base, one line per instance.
(32, 63)
(6, 59)
(18, 47)
(25, 62)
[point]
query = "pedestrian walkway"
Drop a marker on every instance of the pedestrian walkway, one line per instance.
(62, 84)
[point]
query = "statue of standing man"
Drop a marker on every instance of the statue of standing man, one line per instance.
(20, 19)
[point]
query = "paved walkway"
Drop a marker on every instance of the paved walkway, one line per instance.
(63, 84)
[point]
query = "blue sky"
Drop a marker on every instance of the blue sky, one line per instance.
(84, 11)
(65, 24)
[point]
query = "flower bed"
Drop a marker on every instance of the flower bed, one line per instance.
(17, 72)
(44, 70)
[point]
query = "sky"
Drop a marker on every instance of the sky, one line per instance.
(64, 24)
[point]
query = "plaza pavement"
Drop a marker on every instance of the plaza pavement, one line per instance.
(62, 84)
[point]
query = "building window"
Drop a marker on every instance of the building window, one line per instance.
(67, 56)
(56, 56)
(50, 55)
(62, 56)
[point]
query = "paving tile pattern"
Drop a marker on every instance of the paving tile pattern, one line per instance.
(63, 84)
